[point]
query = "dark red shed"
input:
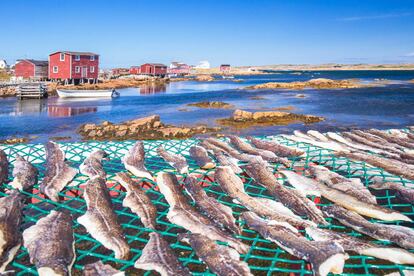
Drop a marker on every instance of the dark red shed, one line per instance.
(31, 69)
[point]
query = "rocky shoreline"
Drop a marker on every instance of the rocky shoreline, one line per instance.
(246, 119)
(320, 83)
(147, 128)
(214, 104)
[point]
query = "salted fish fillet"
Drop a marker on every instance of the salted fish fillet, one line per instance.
(349, 243)
(100, 269)
(24, 173)
(324, 256)
(51, 245)
(58, 174)
(228, 161)
(265, 154)
(217, 145)
(221, 260)
(317, 135)
(391, 166)
(351, 145)
(401, 192)
(200, 155)
(183, 214)
(134, 161)
(4, 167)
(100, 219)
(233, 186)
(292, 199)
(176, 161)
(393, 147)
(326, 145)
(389, 151)
(343, 199)
(92, 166)
(10, 220)
(137, 200)
(351, 186)
(392, 138)
(403, 236)
(276, 148)
(157, 255)
(217, 212)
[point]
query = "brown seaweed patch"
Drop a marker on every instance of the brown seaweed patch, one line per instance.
(214, 104)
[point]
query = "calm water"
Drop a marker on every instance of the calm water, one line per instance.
(380, 107)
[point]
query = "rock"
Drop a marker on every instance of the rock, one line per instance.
(15, 140)
(106, 123)
(214, 104)
(320, 83)
(300, 96)
(121, 133)
(245, 119)
(92, 133)
(88, 127)
(204, 78)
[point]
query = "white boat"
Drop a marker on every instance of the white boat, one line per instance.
(228, 77)
(87, 93)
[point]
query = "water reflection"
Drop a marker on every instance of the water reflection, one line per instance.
(27, 106)
(152, 88)
(68, 111)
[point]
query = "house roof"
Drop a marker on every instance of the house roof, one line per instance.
(76, 53)
(156, 64)
(36, 62)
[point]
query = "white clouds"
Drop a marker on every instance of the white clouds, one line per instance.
(378, 16)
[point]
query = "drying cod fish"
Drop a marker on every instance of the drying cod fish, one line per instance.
(349, 243)
(383, 142)
(217, 212)
(176, 161)
(392, 138)
(351, 186)
(233, 186)
(51, 244)
(200, 155)
(4, 167)
(100, 269)
(350, 144)
(369, 142)
(58, 173)
(92, 165)
(309, 186)
(134, 161)
(218, 146)
(401, 192)
(324, 256)
(221, 260)
(293, 199)
(137, 200)
(100, 219)
(265, 154)
(391, 166)
(278, 149)
(403, 236)
(186, 216)
(24, 173)
(326, 145)
(228, 161)
(157, 255)
(10, 219)
(317, 135)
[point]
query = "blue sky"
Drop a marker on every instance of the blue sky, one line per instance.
(243, 32)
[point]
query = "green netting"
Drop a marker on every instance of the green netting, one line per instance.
(264, 257)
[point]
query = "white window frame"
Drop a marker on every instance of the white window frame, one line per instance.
(62, 57)
(77, 69)
(92, 69)
(77, 57)
(92, 58)
(55, 69)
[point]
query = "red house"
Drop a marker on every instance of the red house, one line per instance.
(73, 67)
(31, 69)
(119, 71)
(225, 68)
(135, 70)
(153, 69)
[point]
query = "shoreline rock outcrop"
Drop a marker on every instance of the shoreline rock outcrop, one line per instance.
(147, 128)
(320, 83)
(213, 104)
(245, 119)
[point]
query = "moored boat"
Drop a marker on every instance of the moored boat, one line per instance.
(87, 93)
